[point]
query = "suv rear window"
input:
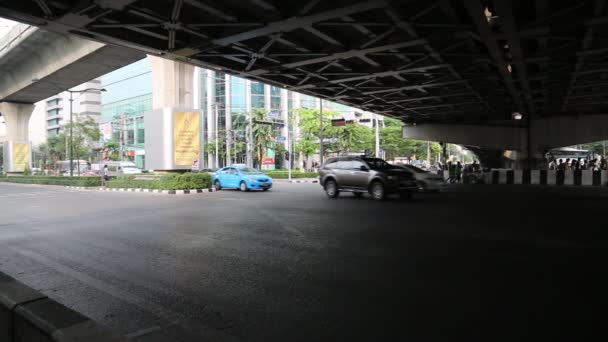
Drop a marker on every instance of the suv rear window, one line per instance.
(345, 164)
(378, 164)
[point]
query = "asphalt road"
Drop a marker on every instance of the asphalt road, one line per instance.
(491, 263)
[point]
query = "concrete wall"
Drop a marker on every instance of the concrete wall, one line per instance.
(492, 137)
(545, 134)
(27, 315)
(59, 61)
(568, 130)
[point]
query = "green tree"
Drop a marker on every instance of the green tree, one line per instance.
(85, 133)
(262, 134)
(221, 145)
(349, 138)
(112, 150)
(394, 145)
(310, 127)
(596, 147)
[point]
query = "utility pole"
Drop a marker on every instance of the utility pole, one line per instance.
(288, 153)
(321, 149)
(217, 138)
(377, 129)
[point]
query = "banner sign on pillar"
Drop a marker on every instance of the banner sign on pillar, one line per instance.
(186, 137)
(20, 156)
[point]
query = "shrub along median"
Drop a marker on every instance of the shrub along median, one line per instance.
(184, 181)
(283, 174)
(66, 181)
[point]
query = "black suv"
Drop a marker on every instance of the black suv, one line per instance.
(360, 175)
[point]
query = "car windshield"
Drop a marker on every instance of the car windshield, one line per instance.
(377, 164)
(249, 171)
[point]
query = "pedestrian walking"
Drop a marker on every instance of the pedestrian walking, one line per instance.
(106, 177)
(458, 172)
(451, 172)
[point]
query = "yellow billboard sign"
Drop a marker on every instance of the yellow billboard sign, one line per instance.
(186, 137)
(21, 154)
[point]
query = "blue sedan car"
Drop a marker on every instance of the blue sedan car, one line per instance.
(241, 177)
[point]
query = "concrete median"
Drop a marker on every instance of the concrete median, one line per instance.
(27, 315)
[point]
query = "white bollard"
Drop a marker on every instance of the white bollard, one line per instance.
(551, 177)
(502, 177)
(587, 177)
(535, 177)
(569, 177)
(518, 177)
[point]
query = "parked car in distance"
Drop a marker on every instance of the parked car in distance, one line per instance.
(117, 168)
(361, 174)
(427, 181)
(209, 171)
(241, 177)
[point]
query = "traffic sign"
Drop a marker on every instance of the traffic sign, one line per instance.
(281, 139)
(270, 123)
(272, 115)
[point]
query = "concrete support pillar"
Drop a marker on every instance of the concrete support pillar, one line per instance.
(210, 103)
(172, 83)
(285, 129)
(228, 117)
(17, 145)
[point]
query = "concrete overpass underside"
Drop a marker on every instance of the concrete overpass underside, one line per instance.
(58, 61)
(441, 62)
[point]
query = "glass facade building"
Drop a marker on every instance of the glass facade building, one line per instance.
(128, 96)
(227, 102)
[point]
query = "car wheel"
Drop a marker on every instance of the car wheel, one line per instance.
(243, 187)
(358, 194)
(331, 189)
(377, 191)
(217, 185)
(266, 189)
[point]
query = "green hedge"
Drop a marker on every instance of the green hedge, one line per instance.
(67, 181)
(185, 181)
(281, 174)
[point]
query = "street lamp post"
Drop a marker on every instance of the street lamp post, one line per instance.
(72, 123)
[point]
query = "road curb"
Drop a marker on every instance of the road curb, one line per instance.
(28, 315)
(152, 191)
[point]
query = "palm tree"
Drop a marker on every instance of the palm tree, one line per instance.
(262, 134)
